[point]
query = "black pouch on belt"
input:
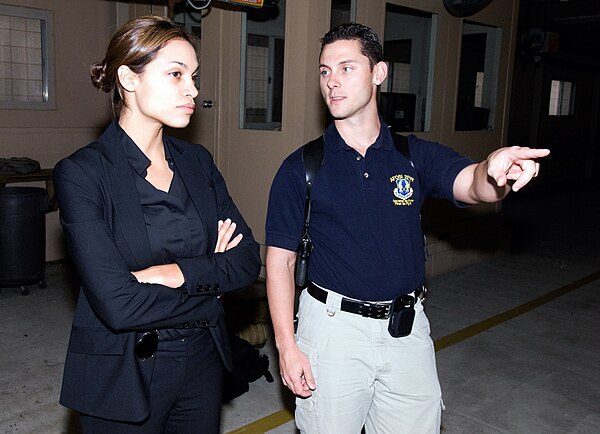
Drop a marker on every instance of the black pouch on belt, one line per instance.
(305, 248)
(402, 316)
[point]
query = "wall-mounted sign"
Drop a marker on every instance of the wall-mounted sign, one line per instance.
(256, 3)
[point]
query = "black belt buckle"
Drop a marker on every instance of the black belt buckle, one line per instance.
(374, 310)
(147, 345)
(402, 316)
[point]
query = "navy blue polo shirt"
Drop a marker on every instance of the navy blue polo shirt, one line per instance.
(365, 217)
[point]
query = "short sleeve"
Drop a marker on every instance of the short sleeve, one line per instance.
(285, 212)
(438, 165)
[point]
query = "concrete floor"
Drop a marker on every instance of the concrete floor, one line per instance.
(517, 336)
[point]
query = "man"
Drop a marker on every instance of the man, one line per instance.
(346, 368)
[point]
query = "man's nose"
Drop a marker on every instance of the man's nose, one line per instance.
(333, 82)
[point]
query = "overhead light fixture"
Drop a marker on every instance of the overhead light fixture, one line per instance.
(464, 8)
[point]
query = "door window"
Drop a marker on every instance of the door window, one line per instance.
(478, 77)
(408, 49)
(263, 40)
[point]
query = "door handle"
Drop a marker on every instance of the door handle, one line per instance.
(207, 103)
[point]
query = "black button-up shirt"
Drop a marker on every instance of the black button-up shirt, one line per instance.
(173, 224)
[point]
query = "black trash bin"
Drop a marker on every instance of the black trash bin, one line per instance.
(23, 236)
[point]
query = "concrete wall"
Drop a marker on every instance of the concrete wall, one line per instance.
(81, 31)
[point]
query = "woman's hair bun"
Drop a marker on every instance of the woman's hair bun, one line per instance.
(99, 78)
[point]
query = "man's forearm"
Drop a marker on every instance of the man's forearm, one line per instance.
(281, 295)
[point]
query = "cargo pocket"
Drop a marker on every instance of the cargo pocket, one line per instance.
(306, 408)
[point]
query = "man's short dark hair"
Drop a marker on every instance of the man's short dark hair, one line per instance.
(370, 45)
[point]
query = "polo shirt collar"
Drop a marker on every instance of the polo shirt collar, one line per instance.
(383, 141)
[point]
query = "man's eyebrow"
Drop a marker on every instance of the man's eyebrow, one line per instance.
(342, 62)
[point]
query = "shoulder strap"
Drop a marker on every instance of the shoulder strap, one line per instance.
(401, 143)
(312, 158)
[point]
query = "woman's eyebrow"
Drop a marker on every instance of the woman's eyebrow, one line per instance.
(183, 64)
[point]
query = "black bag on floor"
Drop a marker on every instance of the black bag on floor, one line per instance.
(18, 165)
(248, 366)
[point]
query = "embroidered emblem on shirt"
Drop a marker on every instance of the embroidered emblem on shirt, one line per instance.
(403, 190)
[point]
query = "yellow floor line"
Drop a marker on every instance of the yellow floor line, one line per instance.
(267, 423)
(281, 417)
(474, 329)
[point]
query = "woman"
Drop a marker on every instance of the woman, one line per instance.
(156, 239)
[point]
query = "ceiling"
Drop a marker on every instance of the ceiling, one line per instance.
(575, 22)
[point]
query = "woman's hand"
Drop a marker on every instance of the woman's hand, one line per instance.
(168, 275)
(226, 231)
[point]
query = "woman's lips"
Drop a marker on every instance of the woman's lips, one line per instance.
(187, 108)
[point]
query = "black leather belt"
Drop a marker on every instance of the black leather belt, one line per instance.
(369, 309)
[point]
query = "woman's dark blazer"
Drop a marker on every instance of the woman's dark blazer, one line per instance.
(106, 236)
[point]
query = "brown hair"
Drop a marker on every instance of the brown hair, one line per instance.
(134, 45)
(370, 44)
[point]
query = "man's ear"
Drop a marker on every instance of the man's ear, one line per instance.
(380, 72)
(128, 79)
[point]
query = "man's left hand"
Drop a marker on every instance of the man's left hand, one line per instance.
(515, 163)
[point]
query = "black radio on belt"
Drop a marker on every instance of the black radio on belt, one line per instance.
(402, 316)
(305, 248)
